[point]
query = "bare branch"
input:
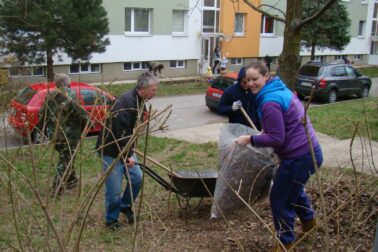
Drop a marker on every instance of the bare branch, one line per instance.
(258, 9)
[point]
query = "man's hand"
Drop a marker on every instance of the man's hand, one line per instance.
(236, 105)
(130, 162)
(244, 140)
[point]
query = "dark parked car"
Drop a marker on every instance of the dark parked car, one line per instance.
(330, 81)
(23, 115)
(217, 87)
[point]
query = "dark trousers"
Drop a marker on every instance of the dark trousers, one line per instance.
(66, 153)
(288, 198)
(216, 62)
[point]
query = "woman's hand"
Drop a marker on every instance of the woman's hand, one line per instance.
(243, 140)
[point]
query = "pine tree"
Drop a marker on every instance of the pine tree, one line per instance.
(36, 30)
(331, 30)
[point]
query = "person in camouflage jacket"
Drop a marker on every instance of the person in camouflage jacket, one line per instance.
(63, 120)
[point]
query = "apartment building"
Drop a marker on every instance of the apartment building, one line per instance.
(363, 46)
(167, 32)
(182, 35)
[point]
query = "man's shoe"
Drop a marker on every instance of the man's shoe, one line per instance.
(72, 183)
(308, 225)
(129, 214)
(113, 225)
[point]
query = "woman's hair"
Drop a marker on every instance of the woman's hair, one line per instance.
(258, 65)
(146, 79)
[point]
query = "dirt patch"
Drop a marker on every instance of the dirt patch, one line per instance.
(351, 227)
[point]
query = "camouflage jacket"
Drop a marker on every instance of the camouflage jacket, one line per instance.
(62, 117)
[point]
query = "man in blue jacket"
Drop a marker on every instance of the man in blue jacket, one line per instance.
(237, 96)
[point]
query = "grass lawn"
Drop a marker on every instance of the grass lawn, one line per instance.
(163, 225)
(175, 154)
(369, 71)
(164, 89)
(341, 119)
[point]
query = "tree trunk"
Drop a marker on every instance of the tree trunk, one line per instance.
(289, 60)
(313, 50)
(50, 69)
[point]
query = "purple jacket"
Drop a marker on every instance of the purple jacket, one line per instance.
(281, 114)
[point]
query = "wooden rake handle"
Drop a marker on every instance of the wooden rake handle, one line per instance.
(248, 119)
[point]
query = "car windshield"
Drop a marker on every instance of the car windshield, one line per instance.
(310, 70)
(222, 83)
(25, 95)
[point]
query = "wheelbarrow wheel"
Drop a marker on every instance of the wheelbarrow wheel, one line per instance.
(184, 202)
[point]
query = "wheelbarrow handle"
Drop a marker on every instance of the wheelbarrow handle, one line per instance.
(158, 164)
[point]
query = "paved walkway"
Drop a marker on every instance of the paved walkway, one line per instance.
(336, 152)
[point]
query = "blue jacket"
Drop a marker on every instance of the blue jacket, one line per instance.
(234, 93)
(274, 91)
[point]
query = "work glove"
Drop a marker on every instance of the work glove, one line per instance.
(236, 105)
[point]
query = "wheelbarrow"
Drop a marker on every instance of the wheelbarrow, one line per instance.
(185, 184)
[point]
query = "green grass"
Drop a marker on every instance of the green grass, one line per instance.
(369, 71)
(164, 89)
(178, 155)
(341, 119)
(155, 218)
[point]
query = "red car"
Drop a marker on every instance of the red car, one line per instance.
(24, 108)
(217, 87)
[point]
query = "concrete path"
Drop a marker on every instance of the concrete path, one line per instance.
(336, 152)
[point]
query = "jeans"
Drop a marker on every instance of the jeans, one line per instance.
(288, 197)
(115, 200)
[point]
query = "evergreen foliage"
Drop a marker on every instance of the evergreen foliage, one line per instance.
(37, 30)
(330, 31)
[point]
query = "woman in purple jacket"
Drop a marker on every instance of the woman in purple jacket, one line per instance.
(281, 115)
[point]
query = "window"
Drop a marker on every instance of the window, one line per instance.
(222, 83)
(358, 57)
(132, 66)
(236, 61)
(27, 71)
(350, 72)
(361, 28)
(179, 22)
(339, 71)
(84, 68)
(374, 47)
(239, 24)
(339, 57)
(374, 24)
(137, 21)
(319, 58)
(211, 3)
(267, 25)
(177, 64)
(210, 16)
(92, 97)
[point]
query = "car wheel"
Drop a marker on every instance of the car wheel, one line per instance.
(38, 136)
(332, 96)
(364, 92)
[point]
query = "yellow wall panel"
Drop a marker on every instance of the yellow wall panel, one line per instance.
(239, 46)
